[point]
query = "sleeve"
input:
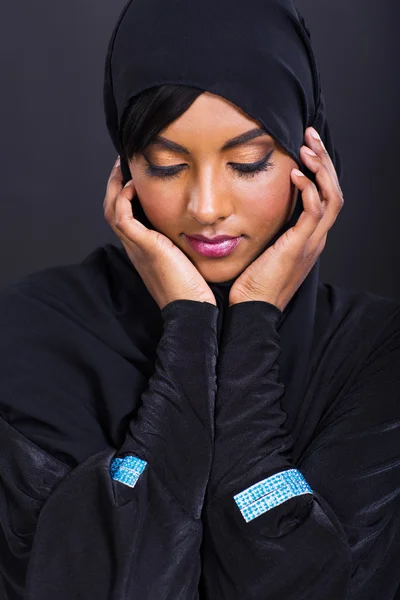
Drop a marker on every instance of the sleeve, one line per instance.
(327, 527)
(125, 522)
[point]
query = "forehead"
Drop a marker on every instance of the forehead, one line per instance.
(210, 120)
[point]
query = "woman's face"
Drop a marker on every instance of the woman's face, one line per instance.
(208, 194)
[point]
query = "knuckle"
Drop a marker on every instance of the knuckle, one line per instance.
(313, 250)
(108, 215)
(317, 211)
(121, 219)
(112, 184)
(322, 245)
(108, 211)
(162, 243)
(309, 254)
(125, 194)
(324, 151)
(322, 162)
(128, 185)
(298, 255)
(311, 186)
(339, 201)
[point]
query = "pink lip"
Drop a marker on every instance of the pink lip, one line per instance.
(215, 249)
(217, 238)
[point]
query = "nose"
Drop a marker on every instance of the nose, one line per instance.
(208, 200)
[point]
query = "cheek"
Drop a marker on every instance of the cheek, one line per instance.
(267, 201)
(161, 203)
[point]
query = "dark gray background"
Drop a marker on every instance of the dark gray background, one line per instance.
(57, 156)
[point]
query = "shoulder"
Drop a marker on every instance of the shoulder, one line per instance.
(355, 330)
(335, 301)
(355, 314)
(88, 283)
(95, 295)
(69, 334)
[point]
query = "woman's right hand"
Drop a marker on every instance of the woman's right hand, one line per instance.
(165, 270)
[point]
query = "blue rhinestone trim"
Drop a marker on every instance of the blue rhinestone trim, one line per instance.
(268, 493)
(127, 470)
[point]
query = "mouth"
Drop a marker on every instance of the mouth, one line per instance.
(222, 247)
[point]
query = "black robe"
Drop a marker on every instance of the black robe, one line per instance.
(125, 470)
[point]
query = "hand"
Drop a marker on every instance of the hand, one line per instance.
(165, 270)
(277, 274)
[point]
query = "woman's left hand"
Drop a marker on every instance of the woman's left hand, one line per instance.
(277, 274)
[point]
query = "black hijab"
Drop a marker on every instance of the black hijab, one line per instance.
(257, 55)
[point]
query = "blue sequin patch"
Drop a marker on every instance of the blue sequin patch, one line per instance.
(268, 493)
(127, 470)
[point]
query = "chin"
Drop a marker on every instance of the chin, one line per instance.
(219, 274)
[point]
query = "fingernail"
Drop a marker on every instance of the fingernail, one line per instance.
(118, 162)
(297, 172)
(315, 134)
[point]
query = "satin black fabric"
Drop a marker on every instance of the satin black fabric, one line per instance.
(208, 418)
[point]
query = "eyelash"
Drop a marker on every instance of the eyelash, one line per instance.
(244, 170)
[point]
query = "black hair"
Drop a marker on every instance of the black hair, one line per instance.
(150, 112)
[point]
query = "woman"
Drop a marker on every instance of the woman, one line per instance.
(189, 420)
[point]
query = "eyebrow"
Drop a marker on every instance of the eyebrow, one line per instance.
(243, 138)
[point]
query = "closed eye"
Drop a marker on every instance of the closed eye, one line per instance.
(251, 169)
(242, 169)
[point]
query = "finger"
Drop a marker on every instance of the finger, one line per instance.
(331, 196)
(116, 172)
(317, 145)
(124, 221)
(322, 244)
(114, 186)
(312, 214)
